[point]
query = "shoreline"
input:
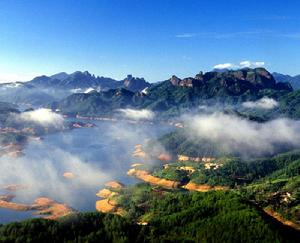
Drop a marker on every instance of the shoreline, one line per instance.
(43, 207)
(113, 119)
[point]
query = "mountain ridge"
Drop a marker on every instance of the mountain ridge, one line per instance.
(293, 80)
(43, 90)
(175, 95)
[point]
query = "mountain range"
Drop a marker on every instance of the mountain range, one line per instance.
(45, 89)
(86, 94)
(216, 184)
(175, 96)
(84, 81)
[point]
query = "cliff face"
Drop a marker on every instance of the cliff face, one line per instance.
(187, 82)
(236, 82)
(135, 84)
(81, 80)
(175, 95)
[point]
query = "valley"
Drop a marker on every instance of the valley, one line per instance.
(213, 142)
(149, 121)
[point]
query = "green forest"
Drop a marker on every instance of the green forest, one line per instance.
(172, 217)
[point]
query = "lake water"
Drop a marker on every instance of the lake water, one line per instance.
(95, 155)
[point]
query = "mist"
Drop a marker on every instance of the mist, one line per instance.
(42, 174)
(94, 155)
(263, 103)
(134, 114)
(28, 96)
(243, 137)
(42, 116)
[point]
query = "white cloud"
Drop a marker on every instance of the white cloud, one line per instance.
(44, 117)
(243, 64)
(244, 137)
(137, 114)
(250, 64)
(89, 90)
(264, 103)
(224, 66)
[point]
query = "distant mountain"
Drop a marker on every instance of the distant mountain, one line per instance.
(60, 76)
(43, 90)
(293, 80)
(26, 94)
(173, 96)
(84, 80)
(235, 82)
(5, 110)
(135, 84)
(99, 103)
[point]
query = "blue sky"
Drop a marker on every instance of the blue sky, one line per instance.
(149, 38)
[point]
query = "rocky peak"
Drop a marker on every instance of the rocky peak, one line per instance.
(87, 73)
(187, 82)
(60, 76)
(135, 84)
(175, 80)
(199, 76)
(234, 81)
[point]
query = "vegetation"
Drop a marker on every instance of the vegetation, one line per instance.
(171, 217)
(172, 173)
(279, 191)
(5, 110)
(175, 96)
(179, 142)
(210, 217)
(233, 171)
(290, 104)
(89, 227)
(154, 214)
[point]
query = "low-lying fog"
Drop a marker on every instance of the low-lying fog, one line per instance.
(104, 152)
(94, 155)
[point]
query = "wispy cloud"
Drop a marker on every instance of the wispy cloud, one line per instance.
(291, 35)
(275, 17)
(186, 58)
(186, 35)
(240, 34)
(224, 35)
(247, 34)
(250, 64)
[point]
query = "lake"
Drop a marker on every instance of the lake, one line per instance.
(94, 155)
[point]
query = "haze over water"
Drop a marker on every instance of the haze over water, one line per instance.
(95, 155)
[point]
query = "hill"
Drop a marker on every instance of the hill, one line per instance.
(293, 80)
(43, 90)
(174, 96)
(189, 217)
(99, 103)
